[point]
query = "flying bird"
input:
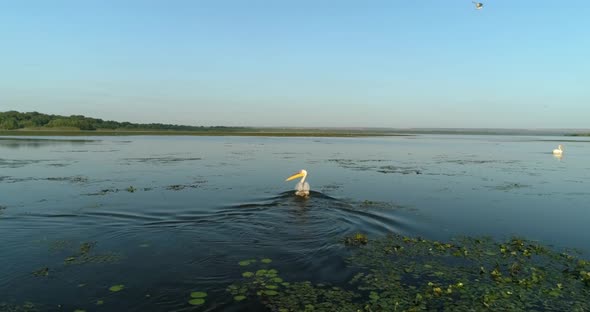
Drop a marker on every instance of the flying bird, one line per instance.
(558, 150)
(478, 5)
(302, 188)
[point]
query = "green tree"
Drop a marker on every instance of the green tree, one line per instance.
(9, 123)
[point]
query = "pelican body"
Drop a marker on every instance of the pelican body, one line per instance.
(302, 188)
(558, 150)
(478, 5)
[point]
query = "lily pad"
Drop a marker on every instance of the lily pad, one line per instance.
(261, 272)
(270, 292)
(239, 298)
(197, 301)
(266, 260)
(116, 288)
(198, 294)
(247, 274)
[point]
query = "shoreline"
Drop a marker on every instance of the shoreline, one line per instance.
(260, 133)
(276, 132)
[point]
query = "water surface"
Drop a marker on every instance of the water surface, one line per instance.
(169, 215)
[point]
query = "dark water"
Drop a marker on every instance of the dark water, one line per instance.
(165, 216)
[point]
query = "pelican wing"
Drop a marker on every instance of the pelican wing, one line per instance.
(302, 186)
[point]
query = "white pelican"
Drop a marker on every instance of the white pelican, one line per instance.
(558, 150)
(302, 188)
(478, 5)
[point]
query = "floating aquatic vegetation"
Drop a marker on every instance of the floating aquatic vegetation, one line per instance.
(109, 257)
(277, 295)
(43, 272)
(197, 298)
(162, 160)
(399, 273)
(74, 179)
(247, 262)
(58, 245)
(509, 276)
(99, 302)
(357, 239)
(117, 288)
(264, 283)
(25, 307)
(18, 163)
(402, 170)
(86, 247)
(239, 297)
(103, 192)
(59, 165)
(510, 186)
(198, 301)
(130, 189)
(198, 294)
(84, 255)
(478, 161)
(373, 165)
(178, 187)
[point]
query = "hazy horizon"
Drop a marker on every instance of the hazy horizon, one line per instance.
(345, 64)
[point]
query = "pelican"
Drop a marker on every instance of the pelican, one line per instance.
(478, 5)
(302, 188)
(558, 150)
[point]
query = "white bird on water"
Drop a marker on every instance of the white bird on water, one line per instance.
(558, 150)
(302, 188)
(478, 5)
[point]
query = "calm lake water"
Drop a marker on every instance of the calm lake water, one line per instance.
(165, 216)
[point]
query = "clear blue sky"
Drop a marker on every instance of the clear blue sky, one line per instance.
(393, 63)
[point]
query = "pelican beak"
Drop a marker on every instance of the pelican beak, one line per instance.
(295, 176)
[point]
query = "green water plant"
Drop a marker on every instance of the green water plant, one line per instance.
(357, 239)
(397, 273)
(117, 288)
(197, 298)
(85, 254)
(43, 272)
(25, 307)
(247, 262)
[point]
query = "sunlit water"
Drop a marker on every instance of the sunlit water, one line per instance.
(199, 205)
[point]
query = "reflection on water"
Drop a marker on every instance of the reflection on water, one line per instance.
(176, 214)
(6, 142)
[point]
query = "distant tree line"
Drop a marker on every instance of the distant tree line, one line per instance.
(12, 120)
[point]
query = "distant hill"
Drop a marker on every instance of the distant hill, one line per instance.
(13, 120)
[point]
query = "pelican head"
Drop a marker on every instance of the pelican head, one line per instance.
(302, 188)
